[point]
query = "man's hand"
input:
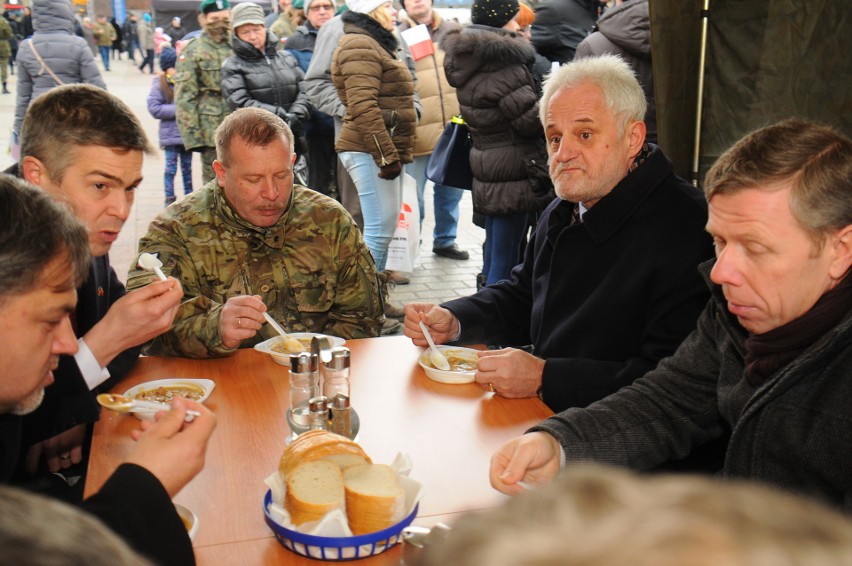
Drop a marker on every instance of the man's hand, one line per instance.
(509, 372)
(442, 324)
(241, 318)
(532, 458)
(137, 317)
(60, 452)
(172, 449)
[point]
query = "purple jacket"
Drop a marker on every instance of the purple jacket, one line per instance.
(164, 111)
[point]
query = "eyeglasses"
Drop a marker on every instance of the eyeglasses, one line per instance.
(314, 8)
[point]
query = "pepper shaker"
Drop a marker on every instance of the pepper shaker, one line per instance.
(341, 415)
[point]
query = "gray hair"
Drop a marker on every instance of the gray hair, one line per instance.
(39, 531)
(817, 159)
(35, 230)
(610, 73)
(256, 126)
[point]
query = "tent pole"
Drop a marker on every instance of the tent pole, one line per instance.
(697, 142)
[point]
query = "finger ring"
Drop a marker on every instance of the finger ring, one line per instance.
(239, 322)
(491, 387)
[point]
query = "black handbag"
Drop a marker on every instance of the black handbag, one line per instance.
(449, 163)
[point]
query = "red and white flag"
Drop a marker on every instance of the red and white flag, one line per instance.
(419, 42)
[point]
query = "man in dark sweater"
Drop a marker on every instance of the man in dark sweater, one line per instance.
(609, 284)
(770, 360)
(44, 256)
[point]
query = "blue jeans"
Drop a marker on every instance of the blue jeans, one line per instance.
(503, 235)
(175, 153)
(381, 202)
(105, 55)
(446, 204)
(132, 46)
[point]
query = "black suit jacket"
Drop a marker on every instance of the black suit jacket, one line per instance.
(68, 402)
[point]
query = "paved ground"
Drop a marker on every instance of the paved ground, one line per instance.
(434, 279)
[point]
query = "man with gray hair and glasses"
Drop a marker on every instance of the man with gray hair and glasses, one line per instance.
(44, 257)
(770, 361)
(609, 284)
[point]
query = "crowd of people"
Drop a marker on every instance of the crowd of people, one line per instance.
(668, 327)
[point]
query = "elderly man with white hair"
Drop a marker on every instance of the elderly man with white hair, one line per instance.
(609, 284)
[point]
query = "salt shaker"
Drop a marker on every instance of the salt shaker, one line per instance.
(304, 385)
(336, 373)
(341, 415)
(318, 412)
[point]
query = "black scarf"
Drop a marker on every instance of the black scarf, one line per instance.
(767, 353)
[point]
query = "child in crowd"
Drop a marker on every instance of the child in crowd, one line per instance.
(161, 105)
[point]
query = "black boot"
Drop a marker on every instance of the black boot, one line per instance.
(5, 90)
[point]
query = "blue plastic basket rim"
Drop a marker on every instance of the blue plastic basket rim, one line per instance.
(336, 542)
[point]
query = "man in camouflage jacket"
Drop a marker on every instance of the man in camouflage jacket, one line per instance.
(199, 104)
(251, 242)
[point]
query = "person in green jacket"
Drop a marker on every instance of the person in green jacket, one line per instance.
(104, 36)
(199, 104)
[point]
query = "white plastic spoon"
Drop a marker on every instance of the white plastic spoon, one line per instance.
(124, 404)
(150, 262)
(291, 344)
(437, 356)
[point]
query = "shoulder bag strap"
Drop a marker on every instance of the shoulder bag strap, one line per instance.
(44, 65)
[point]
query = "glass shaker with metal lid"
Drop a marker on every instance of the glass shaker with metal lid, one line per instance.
(304, 385)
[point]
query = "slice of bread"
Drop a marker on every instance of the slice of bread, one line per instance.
(316, 444)
(345, 461)
(375, 499)
(314, 488)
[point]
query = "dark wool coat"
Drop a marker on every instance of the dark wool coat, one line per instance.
(793, 431)
(377, 89)
(602, 301)
(269, 80)
(490, 69)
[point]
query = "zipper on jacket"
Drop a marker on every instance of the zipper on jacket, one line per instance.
(379, 148)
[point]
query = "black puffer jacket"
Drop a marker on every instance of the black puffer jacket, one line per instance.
(490, 69)
(270, 80)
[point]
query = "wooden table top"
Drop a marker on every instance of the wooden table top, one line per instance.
(450, 432)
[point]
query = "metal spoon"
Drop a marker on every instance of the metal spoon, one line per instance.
(124, 404)
(437, 356)
(290, 344)
(150, 262)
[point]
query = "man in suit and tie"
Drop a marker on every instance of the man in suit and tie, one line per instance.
(85, 147)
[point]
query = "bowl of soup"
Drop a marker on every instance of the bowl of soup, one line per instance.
(281, 355)
(462, 365)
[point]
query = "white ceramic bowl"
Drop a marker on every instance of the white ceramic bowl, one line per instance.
(283, 358)
(452, 376)
(206, 384)
(190, 519)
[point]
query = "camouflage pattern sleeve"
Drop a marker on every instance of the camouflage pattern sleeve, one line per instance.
(357, 311)
(186, 99)
(195, 332)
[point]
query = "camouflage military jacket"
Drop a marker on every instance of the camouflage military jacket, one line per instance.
(199, 104)
(312, 270)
